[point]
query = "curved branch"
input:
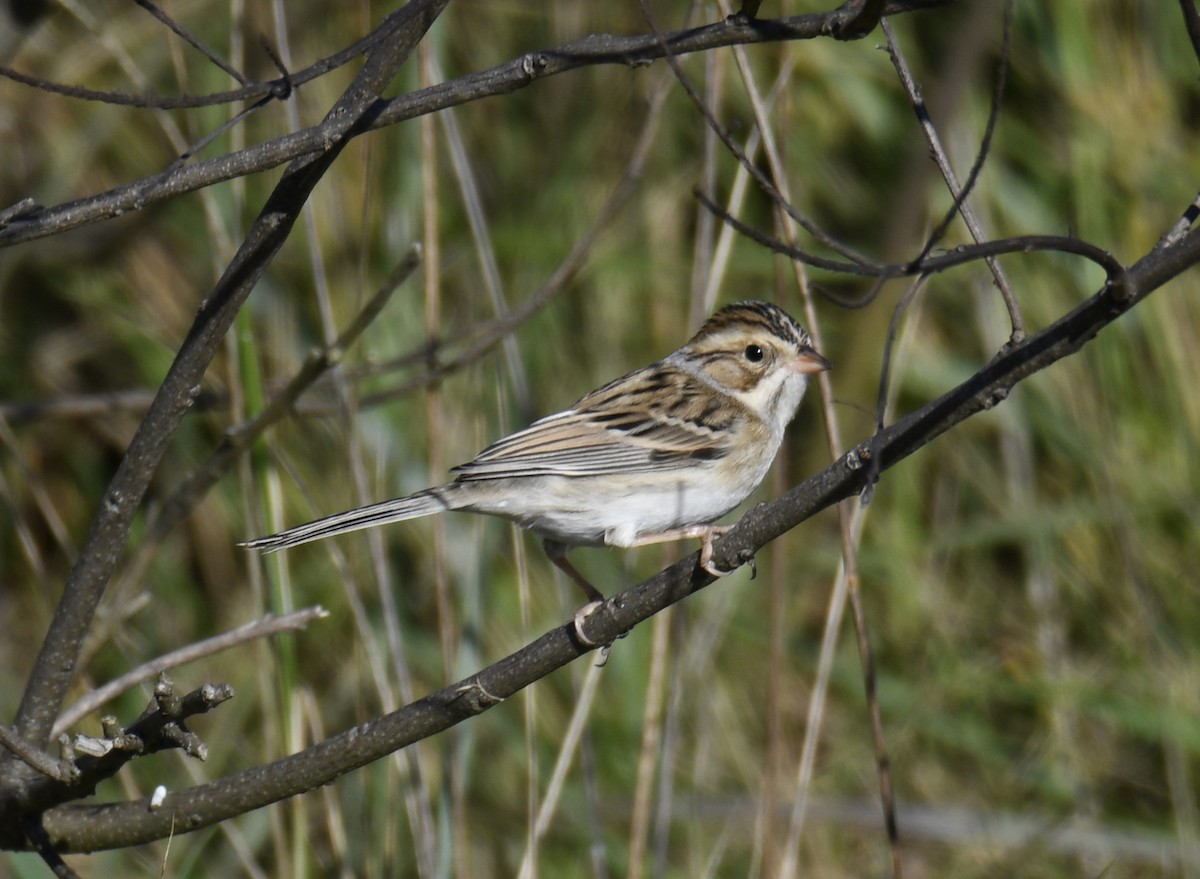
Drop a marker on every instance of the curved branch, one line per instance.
(924, 265)
(272, 88)
(509, 77)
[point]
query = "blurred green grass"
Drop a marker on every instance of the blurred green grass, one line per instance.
(1030, 578)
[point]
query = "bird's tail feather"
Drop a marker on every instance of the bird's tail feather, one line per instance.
(424, 503)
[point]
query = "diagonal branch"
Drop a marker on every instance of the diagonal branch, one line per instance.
(509, 77)
(192, 40)
(55, 667)
(74, 828)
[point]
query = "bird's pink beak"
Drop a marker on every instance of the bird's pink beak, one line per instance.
(808, 362)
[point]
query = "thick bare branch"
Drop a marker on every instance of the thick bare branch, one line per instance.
(90, 828)
(55, 666)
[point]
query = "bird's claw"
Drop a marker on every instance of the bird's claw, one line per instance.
(579, 619)
(743, 557)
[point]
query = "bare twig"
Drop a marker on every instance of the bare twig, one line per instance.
(277, 89)
(22, 208)
(485, 337)
(960, 255)
(1185, 222)
(101, 405)
(55, 667)
(508, 77)
(260, 628)
(959, 192)
(764, 183)
(185, 497)
(35, 758)
(1191, 21)
(192, 40)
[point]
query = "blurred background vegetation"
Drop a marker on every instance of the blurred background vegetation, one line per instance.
(1030, 579)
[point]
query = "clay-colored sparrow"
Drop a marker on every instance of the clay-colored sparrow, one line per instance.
(655, 456)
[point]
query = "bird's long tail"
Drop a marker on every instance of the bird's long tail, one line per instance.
(423, 503)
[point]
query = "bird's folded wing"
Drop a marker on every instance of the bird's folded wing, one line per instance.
(629, 426)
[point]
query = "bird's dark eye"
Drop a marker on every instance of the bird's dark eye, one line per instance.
(753, 353)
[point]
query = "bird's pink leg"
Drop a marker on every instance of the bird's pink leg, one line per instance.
(706, 533)
(557, 553)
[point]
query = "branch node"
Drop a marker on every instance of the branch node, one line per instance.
(130, 743)
(164, 696)
(532, 64)
(111, 727)
(281, 89)
(995, 397)
(476, 697)
(855, 19)
(747, 556)
(23, 209)
(1119, 290)
(178, 735)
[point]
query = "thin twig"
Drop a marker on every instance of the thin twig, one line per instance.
(492, 333)
(1191, 22)
(959, 192)
(846, 509)
(187, 495)
(228, 125)
(764, 183)
(179, 505)
(192, 40)
(511, 76)
(34, 757)
(885, 379)
(960, 255)
(1188, 219)
(264, 627)
(24, 207)
(270, 90)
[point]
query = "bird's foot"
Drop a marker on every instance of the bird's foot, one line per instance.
(706, 550)
(581, 617)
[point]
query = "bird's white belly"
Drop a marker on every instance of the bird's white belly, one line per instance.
(583, 511)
